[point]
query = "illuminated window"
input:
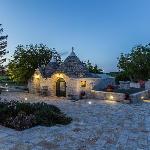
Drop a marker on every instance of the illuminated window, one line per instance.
(83, 83)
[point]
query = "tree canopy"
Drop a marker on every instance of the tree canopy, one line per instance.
(93, 69)
(27, 58)
(136, 65)
(3, 45)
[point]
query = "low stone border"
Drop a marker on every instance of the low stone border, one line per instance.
(120, 97)
(140, 96)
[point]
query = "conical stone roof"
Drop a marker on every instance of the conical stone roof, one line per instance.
(51, 67)
(73, 67)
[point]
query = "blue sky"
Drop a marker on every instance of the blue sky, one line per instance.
(98, 29)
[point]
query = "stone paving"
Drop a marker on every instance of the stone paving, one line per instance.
(97, 125)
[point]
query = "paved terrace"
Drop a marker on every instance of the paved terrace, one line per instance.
(97, 126)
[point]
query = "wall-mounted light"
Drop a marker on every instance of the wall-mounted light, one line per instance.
(36, 76)
(83, 83)
(59, 75)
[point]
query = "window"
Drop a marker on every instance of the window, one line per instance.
(83, 83)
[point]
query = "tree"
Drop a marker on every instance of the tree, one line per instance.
(136, 65)
(3, 45)
(27, 58)
(93, 69)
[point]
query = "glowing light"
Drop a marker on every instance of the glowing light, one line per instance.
(6, 84)
(111, 102)
(59, 75)
(83, 83)
(25, 98)
(89, 102)
(142, 97)
(36, 76)
(147, 101)
(7, 90)
(111, 97)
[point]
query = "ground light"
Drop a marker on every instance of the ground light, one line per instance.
(110, 102)
(111, 97)
(25, 98)
(147, 101)
(89, 102)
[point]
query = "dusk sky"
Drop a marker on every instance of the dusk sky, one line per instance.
(99, 30)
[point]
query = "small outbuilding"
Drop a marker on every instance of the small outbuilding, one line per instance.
(71, 78)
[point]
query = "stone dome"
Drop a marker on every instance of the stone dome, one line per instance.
(51, 67)
(73, 67)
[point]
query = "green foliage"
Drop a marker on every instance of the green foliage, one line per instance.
(21, 116)
(28, 58)
(121, 76)
(3, 45)
(93, 69)
(136, 65)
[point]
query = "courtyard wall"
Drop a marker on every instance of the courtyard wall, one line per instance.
(140, 96)
(108, 95)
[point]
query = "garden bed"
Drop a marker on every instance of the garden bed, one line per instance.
(20, 116)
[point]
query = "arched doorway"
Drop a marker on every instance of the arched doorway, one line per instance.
(61, 87)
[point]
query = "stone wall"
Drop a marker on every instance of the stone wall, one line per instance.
(147, 85)
(138, 97)
(108, 95)
(34, 82)
(124, 84)
(135, 85)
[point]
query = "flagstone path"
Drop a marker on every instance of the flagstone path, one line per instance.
(99, 125)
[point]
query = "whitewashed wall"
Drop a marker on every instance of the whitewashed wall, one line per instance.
(135, 85)
(124, 84)
(90, 83)
(147, 85)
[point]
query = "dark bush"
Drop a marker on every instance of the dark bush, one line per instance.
(110, 88)
(21, 121)
(21, 116)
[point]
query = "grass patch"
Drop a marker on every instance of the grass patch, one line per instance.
(20, 116)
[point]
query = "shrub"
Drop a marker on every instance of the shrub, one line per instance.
(21, 116)
(110, 88)
(21, 121)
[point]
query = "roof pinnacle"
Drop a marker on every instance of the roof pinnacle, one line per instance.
(72, 52)
(72, 48)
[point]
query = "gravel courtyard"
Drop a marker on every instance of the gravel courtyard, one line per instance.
(97, 125)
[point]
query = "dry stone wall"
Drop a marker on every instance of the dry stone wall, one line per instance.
(138, 97)
(147, 85)
(108, 95)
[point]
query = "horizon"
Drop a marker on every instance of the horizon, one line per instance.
(98, 30)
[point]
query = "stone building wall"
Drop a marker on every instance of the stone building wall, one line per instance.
(34, 82)
(90, 83)
(70, 84)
